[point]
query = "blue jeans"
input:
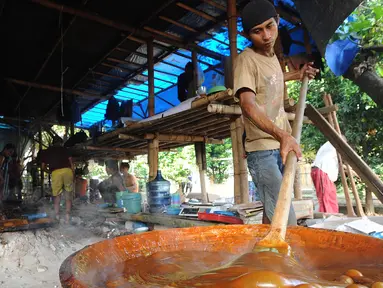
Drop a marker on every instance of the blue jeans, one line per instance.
(266, 169)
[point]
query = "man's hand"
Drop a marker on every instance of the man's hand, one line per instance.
(288, 143)
(309, 71)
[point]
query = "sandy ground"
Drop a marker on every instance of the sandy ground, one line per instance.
(32, 258)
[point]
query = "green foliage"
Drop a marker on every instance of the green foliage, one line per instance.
(218, 158)
(367, 27)
(177, 164)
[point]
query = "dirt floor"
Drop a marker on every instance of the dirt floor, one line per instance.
(32, 258)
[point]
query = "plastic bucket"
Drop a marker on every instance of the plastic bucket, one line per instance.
(132, 202)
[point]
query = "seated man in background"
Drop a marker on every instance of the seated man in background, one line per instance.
(130, 180)
(115, 183)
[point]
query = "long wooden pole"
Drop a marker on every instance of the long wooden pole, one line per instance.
(41, 166)
(241, 190)
(370, 210)
(153, 146)
(200, 152)
(350, 208)
(150, 52)
(53, 88)
(360, 167)
(359, 208)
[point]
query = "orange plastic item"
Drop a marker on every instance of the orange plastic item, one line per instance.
(315, 249)
(219, 218)
(81, 185)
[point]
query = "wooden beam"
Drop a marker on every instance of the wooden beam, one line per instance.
(197, 12)
(215, 4)
(53, 88)
(200, 152)
(123, 61)
(99, 148)
(165, 34)
(186, 27)
(116, 67)
(153, 147)
(108, 75)
(151, 100)
(131, 52)
(351, 157)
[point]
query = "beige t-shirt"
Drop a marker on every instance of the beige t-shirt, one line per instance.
(264, 76)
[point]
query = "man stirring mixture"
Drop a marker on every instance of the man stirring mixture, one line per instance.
(259, 88)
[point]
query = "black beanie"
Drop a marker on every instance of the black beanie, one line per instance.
(256, 12)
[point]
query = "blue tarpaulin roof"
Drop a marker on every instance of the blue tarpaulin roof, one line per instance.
(167, 71)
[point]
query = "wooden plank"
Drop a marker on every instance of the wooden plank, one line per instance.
(200, 152)
(165, 220)
(197, 12)
(356, 162)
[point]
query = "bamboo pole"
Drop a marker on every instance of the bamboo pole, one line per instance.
(350, 208)
(171, 138)
(220, 96)
(244, 183)
(224, 109)
(359, 208)
(96, 148)
(150, 51)
(176, 23)
(215, 4)
(165, 34)
(200, 152)
(236, 168)
(53, 88)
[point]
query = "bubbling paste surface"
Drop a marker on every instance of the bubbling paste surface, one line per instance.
(220, 269)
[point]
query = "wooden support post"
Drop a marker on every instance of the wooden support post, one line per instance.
(195, 71)
(71, 129)
(150, 52)
(200, 152)
(370, 210)
(353, 159)
(297, 184)
(153, 158)
(350, 208)
(41, 166)
(237, 179)
(241, 187)
(359, 207)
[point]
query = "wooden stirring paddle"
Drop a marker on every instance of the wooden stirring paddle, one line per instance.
(275, 239)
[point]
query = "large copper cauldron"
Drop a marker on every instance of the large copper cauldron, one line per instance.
(315, 249)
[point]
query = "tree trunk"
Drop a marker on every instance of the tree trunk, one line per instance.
(370, 83)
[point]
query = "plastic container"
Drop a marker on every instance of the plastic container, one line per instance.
(176, 200)
(173, 211)
(81, 187)
(132, 202)
(35, 216)
(158, 194)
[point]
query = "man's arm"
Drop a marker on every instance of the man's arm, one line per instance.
(307, 69)
(252, 111)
